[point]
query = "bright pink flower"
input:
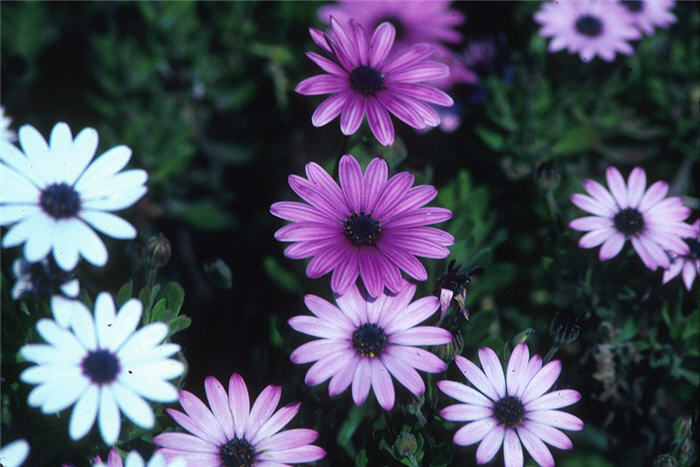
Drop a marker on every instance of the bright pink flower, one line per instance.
(588, 28)
(652, 222)
(231, 433)
(511, 410)
(363, 81)
(646, 14)
(688, 263)
(364, 342)
(369, 226)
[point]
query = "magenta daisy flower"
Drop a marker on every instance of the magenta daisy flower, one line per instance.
(646, 14)
(588, 28)
(234, 434)
(688, 263)
(363, 81)
(369, 226)
(511, 410)
(652, 222)
(365, 341)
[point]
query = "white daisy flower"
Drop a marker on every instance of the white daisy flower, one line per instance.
(134, 459)
(42, 281)
(53, 195)
(102, 365)
(5, 133)
(14, 454)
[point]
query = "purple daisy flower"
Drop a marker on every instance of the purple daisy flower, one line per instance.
(365, 342)
(363, 81)
(646, 14)
(234, 434)
(369, 226)
(650, 221)
(588, 28)
(688, 263)
(511, 410)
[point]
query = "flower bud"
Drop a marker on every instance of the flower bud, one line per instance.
(158, 251)
(548, 176)
(664, 460)
(448, 351)
(406, 444)
(565, 328)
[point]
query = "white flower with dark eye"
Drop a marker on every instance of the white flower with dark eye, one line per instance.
(42, 280)
(5, 133)
(102, 365)
(14, 454)
(55, 196)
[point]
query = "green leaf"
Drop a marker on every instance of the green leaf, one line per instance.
(577, 140)
(349, 426)
(284, 279)
(175, 295)
(178, 324)
(204, 215)
(160, 312)
(124, 293)
(492, 139)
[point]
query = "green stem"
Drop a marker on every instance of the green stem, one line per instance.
(151, 273)
(550, 354)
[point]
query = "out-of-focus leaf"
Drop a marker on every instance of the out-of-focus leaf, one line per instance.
(576, 140)
(205, 215)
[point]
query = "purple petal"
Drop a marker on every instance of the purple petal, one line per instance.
(428, 114)
(324, 261)
(326, 65)
(353, 304)
(542, 381)
(239, 402)
(414, 54)
(611, 247)
(381, 43)
(294, 211)
(591, 205)
(328, 312)
(381, 384)
(276, 422)
(674, 270)
(302, 231)
(512, 451)
(183, 442)
(374, 180)
(690, 271)
(415, 313)
(401, 108)
(418, 358)
(404, 260)
(420, 217)
(549, 435)
(600, 194)
(554, 400)
(321, 84)
(517, 365)
(370, 271)
(317, 349)
(413, 245)
(345, 43)
(351, 182)
(320, 39)
(421, 335)
(556, 418)
(391, 273)
(535, 447)
(404, 373)
(310, 248)
(636, 184)
(424, 92)
(591, 223)
(330, 108)
(379, 122)
(653, 195)
(493, 369)
(361, 381)
(617, 185)
(263, 407)
(596, 237)
(192, 426)
(288, 439)
(476, 377)
(463, 393)
(314, 195)
(218, 401)
(445, 300)
(394, 191)
(474, 432)
(490, 445)
(343, 378)
(423, 71)
(394, 305)
(318, 176)
(643, 253)
(361, 42)
(199, 412)
(414, 198)
(353, 113)
(327, 366)
(345, 274)
(465, 412)
(659, 255)
(315, 327)
(200, 459)
(298, 455)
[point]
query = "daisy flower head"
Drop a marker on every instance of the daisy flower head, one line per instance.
(230, 433)
(54, 195)
(41, 280)
(14, 454)
(630, 211)
(365, 81)
(689, 263)
(134, 459)
(511, 410)
(370, 226)
(6, 134)
(646, 14)
(587, 27)
(365, 341)
(103, 365)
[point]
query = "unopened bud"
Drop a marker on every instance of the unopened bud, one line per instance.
(565, 328)
(548, 176)
(664, 460)
(158, 251)
(448, 351)
(406, 444)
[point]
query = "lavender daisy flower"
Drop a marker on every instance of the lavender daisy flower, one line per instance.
(363, 81)
(54, 194)
(370, 226)
(234, 434)
(511, 410)
(688, 263)
(364, 342)
(646, 14)
(588, 28)
(14, 454)
(649, 220)
(134, 459)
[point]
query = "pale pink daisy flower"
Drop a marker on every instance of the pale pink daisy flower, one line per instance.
(649, 220)
(363, 81)
(646, 14)
(588, 28)
(689, 263)
(369, 226)
(511, 410)
(364, 342)
(230, 433)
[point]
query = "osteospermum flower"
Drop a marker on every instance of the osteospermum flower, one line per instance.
(588, 28)
(14, 454)
(649, 220)
(41, 280)
(53, 195)
(5, 133)
(646, 14)
(102, 365)
(688, 263)
(511, 410)
(363, 81)
(370, 226)
(134, 459)
(364, 342)
(234, 434)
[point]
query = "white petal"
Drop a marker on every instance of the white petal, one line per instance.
(109, 224)
(61, 146)
(71, 288)
(125, 323)
(104, 319)
(15, 188)
(143, 341)
(62, 309)
(14, 454)
(91, 247)
(14, 158)
(37, 151)
(148, 387)
(82, 152)
(20, 232)
(83, 327)
(9, 214)
(39, 242)
(63, 340)
(69, 390)
(134, 459)
(47, 354)
(106, 165)
(39, 394)
(163, 369)
(109, 419)
(40, 374)
(83, 416)
(117, 201)
(65, 245)
(135, 408)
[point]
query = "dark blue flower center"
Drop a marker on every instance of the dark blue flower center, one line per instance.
(509, 411)
(589, 26)
(361, 229)
(629, 221)
(634, 6)
(101, 366)
(366, 80)
(369, 340)
(394, 21)
(60, 201)
(237, 453)
(694, 246)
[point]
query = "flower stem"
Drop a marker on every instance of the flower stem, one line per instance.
(550, 354)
